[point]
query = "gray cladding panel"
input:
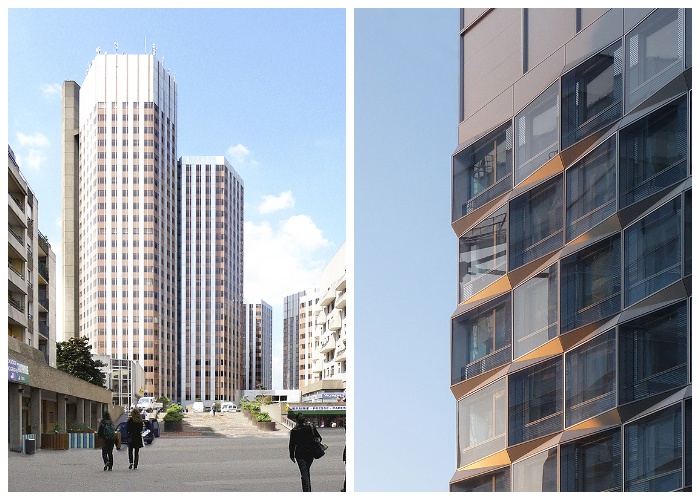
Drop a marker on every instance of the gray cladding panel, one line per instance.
(492, 57)
(471, 15)
(590, 15)
(495, 113)
(595, 37)
(633, 16)
(539, 78)
(547, 31)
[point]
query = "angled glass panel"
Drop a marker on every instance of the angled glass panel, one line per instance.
(592, 95)
(482, 171)
(654, 353)
(481, 339)
(592, 463)
(498, 481)
(653, 252)
(654, 152)
(482, 255)
(536, 473)
(590, 190)
(688, 442)
(535, 402)
(537, 129)
(688, 228)
(482, 423)
(590, 378)
(653, 452)
(654, 53)
(536, 223)
(590, 284)
(536, 309)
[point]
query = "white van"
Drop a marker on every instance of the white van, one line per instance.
(198, 407)
(229, 407)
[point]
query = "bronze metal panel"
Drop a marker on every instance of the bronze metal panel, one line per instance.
(549, 169)
(597, 233)
(464, 224)
(527, 271)
(532, 447)
(475, 383)
(465, 307)
(498, 287)
(469, 472)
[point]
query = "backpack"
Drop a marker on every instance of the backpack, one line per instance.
(109, 430)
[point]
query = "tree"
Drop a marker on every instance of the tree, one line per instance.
(73, 356)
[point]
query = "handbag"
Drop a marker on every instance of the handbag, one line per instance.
(319, 449)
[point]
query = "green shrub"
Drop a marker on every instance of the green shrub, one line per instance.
(263, 416)
(173, 414)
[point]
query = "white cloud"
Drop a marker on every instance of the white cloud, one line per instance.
(282, 261)
(34, 159)
(238, 153)
(38, 140)
(51, 89)
(272, 203)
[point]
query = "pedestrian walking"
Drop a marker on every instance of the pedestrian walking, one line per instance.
(213, 409)
(106, 432)
(302, 439)
(134, 427)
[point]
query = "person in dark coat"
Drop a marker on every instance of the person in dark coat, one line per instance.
(108, 443)
(301, 443)
(134, 427)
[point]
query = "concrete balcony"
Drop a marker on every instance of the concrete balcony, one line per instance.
(16, 241)
(335, 322)
(327, 298)
(317, 367)
(341, 350)
(327, 343)
(340, 287)
(340, 302)
(16, 279)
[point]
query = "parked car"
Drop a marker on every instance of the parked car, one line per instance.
(198, 407)
(229, 407)
(147, 425)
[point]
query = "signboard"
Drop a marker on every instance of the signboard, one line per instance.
(17, 372)
(317, 408)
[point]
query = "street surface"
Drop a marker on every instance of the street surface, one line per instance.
(222, 453)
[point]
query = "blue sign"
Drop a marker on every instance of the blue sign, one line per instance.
(17, 372)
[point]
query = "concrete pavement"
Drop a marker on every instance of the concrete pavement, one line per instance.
(222, 453)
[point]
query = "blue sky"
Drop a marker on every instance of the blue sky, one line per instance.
(406, 118)
(264, 87)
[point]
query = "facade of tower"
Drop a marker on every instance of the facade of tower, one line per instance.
(290, 341)
(571, 203)
(259, 345)
(305, 374)
(120, 202)
(212, 343)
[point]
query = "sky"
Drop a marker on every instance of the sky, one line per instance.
(263, 87)
(405, 270)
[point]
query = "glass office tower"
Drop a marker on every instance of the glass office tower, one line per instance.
(571, 204)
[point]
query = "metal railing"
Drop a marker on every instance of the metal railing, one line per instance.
(12, 268)
(16, 200)
(18, 237)
(16, 304)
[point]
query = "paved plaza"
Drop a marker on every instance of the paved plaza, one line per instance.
(222, 453)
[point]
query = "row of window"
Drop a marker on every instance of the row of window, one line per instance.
(638, 359)
(531, 227)
(652, 453)
(652, 150)
(582, 288)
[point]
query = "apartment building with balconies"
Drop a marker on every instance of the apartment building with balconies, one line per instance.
(571, 207)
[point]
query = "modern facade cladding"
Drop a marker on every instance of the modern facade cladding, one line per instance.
(571, 204)
(122, 194)
(258, 334)
(212, 343)
(297, 323)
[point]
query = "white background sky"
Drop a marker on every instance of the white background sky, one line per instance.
(264, 87)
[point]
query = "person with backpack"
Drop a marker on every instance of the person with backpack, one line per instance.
(302, 441)
(107, 432)
(134, 428)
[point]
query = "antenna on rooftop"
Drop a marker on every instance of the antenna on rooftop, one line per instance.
(116, 47)
(153, 48)
(97, 50)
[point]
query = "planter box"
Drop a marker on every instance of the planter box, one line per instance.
(172, 426)
(53, 441)
(266, 426)
(82, 440)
